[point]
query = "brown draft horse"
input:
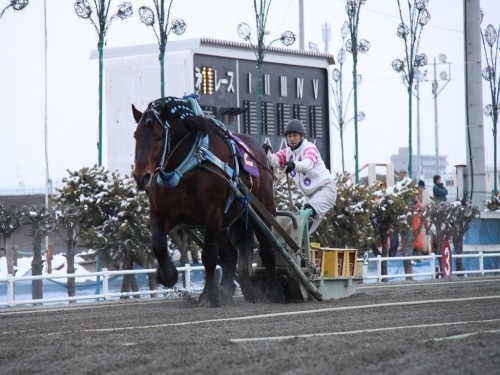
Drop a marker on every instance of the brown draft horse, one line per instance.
(184, 162)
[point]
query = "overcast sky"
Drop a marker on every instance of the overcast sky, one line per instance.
(72, 83)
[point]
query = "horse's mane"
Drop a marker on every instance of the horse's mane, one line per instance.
(188, 107)
(179, 107)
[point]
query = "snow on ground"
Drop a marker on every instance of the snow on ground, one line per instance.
(59, 267)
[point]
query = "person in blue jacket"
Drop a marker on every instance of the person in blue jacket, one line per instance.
(438, 190)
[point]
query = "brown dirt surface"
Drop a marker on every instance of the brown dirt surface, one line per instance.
(440, 326)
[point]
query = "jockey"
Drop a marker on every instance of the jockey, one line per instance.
(302, 161)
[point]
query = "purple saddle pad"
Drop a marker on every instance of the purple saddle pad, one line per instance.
(247, 158)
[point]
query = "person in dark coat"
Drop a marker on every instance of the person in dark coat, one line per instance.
(438, 190)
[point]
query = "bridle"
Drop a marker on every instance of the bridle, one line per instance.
(165, 156)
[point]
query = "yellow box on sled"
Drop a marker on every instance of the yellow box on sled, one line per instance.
(334, 262)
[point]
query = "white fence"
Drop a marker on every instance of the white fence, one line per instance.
(432, 272)
(105, 275)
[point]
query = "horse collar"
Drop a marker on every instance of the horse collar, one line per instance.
(191, 161)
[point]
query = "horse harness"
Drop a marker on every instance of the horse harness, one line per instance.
(198, 153)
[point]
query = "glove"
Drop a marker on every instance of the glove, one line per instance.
(289, 166)
(267, 148)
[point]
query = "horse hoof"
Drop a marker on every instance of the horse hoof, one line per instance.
(226, 295)
(250, 297)
(277, 299)
(274, 295)
(209, 301)
(168, 278)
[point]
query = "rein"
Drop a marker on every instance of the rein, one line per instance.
(162, 167)
(166, 144)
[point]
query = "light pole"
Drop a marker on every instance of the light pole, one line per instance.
(338, 109)
(245, 32)
(419, 76)
(355, 46)
(101, 25)
(326, 35)
(410, 33)
(490, 38)
(446, 77)
(177, 26)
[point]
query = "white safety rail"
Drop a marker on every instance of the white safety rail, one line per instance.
(104, 277)
(433, 273)
(107, 295)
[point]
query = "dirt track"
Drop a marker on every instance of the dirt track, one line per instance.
(410, 328)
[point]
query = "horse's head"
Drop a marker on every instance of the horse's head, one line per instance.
(162, 123)
(149, 140)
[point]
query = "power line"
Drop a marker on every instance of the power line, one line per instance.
(397, 18)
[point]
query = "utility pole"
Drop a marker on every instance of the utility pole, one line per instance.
(419, 157)
(446, 77)
(326, 35)
(476, 167)
(301, 25)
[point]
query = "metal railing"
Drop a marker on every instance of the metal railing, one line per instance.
(105, 276)
(434, 271)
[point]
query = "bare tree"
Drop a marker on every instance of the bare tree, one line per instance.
(41, 223)
(450, 221)
(9, 223)
(491, 45)
(390, 212)
(463, 216)
(69, 217)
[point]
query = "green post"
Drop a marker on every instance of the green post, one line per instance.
(259, 102)
(495, 121)
(162, 70)
(410, 150)
(100, 46)
(356, 154)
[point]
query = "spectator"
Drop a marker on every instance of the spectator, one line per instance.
(393, 243)
(438, 190)
(421, 188)
(418, 224)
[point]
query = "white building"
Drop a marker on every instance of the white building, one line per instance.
(295, 85)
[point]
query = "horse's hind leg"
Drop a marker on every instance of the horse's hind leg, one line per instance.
(273, 289)
(242, 239)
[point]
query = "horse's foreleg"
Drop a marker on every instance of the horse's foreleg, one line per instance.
(228, 258)
(166, 273)
(209, 259)
(242, 239)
